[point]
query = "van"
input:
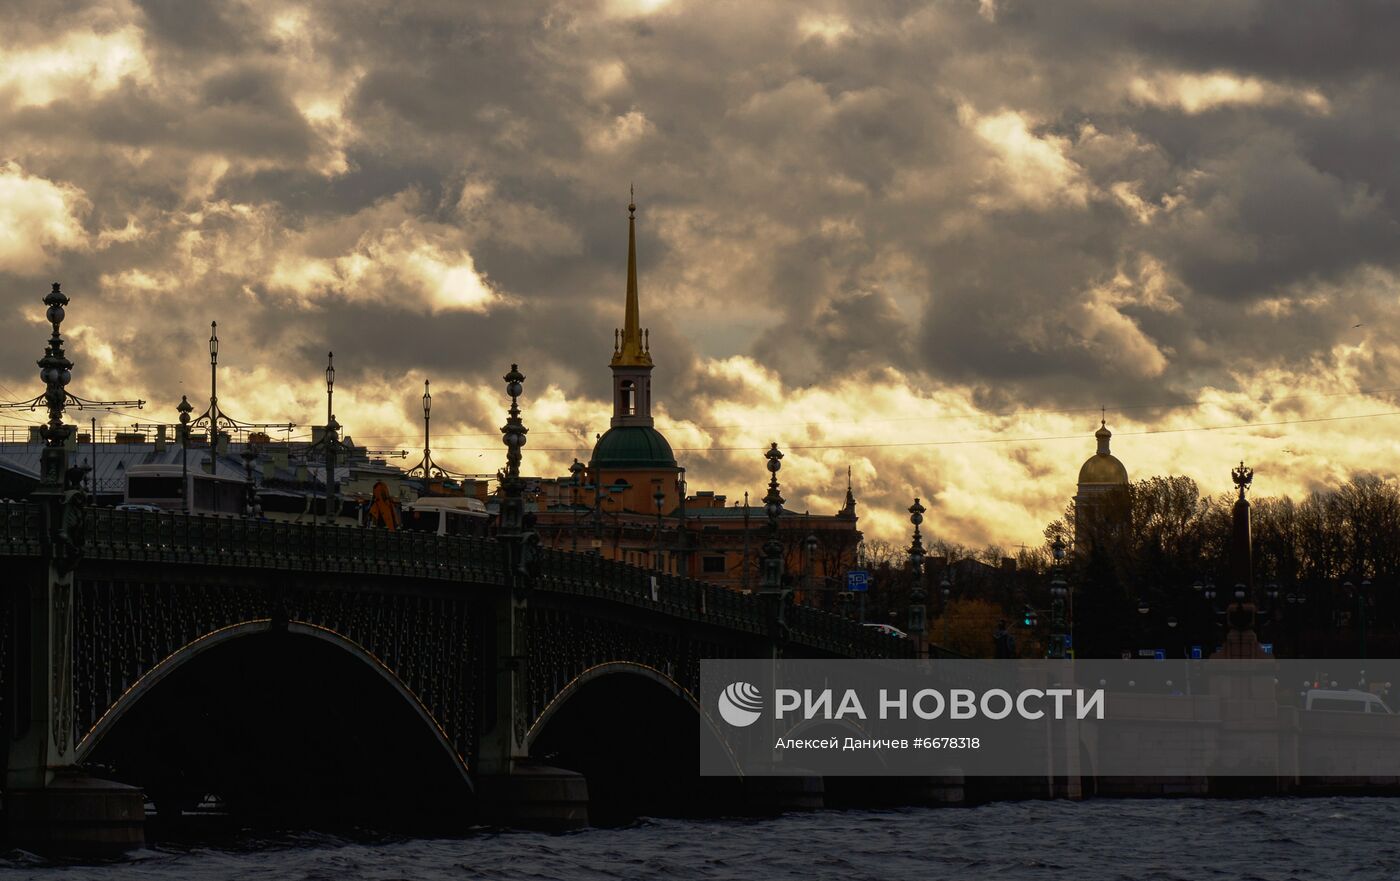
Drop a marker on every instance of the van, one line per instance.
(1350, 701)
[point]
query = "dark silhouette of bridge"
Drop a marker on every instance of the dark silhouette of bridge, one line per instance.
(292, 668)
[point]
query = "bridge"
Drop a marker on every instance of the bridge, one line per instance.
(190, 654)
(297, 669)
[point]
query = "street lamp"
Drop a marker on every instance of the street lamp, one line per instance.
(916, 563)
(185, 409)
(1059, 590)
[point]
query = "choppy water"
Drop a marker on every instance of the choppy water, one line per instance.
(1265, 839)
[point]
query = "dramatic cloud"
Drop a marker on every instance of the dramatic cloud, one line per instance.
(926, 240)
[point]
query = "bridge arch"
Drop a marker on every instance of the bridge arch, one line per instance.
(634, 732)
(598, 671)
(193, 649)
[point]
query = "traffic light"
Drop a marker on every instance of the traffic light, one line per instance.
(1028, 617)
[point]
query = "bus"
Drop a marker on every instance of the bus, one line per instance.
(447, 515)
(159, 486)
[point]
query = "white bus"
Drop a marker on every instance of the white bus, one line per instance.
(446, 515)
(159, 486)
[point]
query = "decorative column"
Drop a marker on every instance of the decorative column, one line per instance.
(1240, 639)
(514, 790)
(51, 805)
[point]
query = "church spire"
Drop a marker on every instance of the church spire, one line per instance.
(633, 351)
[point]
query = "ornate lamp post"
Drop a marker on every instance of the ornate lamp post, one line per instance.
(185, 410)
(772, 581)
(513, 434)
(1059, 590)
(332, 441)
(771, 588)
(945, 593)
(576, 481)
(427, 468)
(682, 553)
(809, 547)
(916, 563)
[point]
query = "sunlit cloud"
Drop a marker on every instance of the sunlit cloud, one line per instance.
(39, 217)
(79, 65)
(1199, 93)
(924, 242)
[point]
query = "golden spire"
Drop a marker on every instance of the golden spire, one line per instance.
(632, 352)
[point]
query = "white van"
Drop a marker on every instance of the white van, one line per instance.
(1350, 701)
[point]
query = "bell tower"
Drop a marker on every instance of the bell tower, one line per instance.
(631, 359)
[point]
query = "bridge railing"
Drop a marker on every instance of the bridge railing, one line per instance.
(169, 537)
(591, 575)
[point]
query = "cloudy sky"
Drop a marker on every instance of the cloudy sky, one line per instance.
(927, 241)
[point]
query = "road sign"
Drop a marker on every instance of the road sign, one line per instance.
(858, 580)
(1267, 647)
(1196, 653)
(1159, 654)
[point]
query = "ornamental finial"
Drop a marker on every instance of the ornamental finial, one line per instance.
(1243, 477)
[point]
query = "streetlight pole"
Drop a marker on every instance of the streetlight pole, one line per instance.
(332, 440)
(682, 553)
(771, 586)
(185, 409)
(576, 474)
(917, 594)
(1058, 591)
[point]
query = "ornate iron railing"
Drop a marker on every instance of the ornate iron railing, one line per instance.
(135, 536)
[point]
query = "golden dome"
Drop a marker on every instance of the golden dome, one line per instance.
(1103, 467)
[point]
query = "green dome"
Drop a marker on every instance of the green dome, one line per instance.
(633, 446)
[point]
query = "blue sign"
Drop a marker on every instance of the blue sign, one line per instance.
(1159, 654)
(858, 580)
(1069, 641)
(1195, 653)
(1267, 647)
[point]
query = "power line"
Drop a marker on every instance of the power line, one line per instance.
(997, 414)
(990, 440)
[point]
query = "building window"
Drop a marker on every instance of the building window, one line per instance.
(712, 565)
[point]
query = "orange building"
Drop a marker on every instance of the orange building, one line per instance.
(630, 501)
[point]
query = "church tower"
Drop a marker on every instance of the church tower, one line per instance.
(1101, 499)
(632, 452)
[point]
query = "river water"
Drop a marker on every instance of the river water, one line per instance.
(1264, 839)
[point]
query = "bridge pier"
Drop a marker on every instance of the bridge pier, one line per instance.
(534, 796)
(51, 805)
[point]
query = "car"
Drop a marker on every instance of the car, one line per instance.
(1351, 700)
(145, 509)
(889, 630)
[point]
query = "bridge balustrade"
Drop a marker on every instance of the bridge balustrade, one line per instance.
(168, 537)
